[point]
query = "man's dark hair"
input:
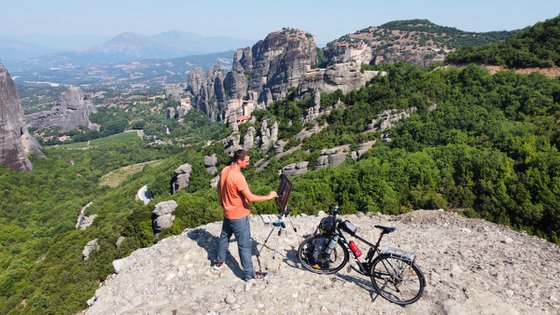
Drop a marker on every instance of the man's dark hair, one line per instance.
(239, 155)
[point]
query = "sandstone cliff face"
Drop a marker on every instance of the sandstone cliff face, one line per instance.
(262, 74)
(342, 52)
(208, 91)
(341, 76)
(383, 51)
(237, 80)
(15, 141)
(70, 112)
(279, 63)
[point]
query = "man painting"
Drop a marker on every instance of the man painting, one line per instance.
(235, 195)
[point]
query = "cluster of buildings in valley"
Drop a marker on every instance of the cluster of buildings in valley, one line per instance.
(46, 138)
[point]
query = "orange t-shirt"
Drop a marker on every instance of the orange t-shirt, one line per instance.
(232, 183)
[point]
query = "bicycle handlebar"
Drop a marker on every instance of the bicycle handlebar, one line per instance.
(335, 209)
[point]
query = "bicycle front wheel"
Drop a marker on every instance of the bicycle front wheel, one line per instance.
(397, 280)
(311, 254)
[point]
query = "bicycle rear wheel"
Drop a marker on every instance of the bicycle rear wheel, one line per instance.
(311, 254)
(397, 280)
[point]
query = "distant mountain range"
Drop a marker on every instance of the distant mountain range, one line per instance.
(122, 48)
(128, 46)
(132, 58)
(145, 72)
(13, 50)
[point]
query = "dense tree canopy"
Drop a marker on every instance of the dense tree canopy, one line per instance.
(536, 46)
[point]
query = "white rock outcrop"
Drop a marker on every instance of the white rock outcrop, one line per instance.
(210, 162)
(163, 215)
(182, 178)
(91, 246)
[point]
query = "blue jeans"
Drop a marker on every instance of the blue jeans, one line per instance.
(242, 231)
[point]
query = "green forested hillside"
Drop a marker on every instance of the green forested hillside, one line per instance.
(489, 149)
(455, 37)
(484, 145)
(537, 46)
(40, 250)
(416, 37)
(41, 265)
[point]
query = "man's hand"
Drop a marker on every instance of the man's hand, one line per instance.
(272, 195)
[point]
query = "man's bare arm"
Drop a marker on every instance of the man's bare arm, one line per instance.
(250, 197)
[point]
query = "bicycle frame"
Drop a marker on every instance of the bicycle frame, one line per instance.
(393, 272)
(373, 251)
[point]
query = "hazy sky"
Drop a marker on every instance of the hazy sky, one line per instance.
(254, 19)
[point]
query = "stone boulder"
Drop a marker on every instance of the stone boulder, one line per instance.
(91, 246)
(388, 118)
(174, 91)
(295, 168)
(84, 221)
(314, 110)
(210, 162)
(87, 221)
(362, 149)
(15, 141)
(215, 181)
(170, 113)
(162, 215)
(182, 177)
(119, 241)
(231, 144)
(333, 156)
(279, 146)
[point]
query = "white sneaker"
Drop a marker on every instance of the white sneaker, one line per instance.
(218, 265)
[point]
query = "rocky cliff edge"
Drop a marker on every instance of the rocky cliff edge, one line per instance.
(471, 267)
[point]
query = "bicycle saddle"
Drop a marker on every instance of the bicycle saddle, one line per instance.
(386, 229)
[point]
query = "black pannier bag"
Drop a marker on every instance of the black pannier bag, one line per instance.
(348, 227)
(327, 225)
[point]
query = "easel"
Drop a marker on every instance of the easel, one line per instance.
(282, 201)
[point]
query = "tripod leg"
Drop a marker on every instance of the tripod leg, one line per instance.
(265, 241)
(293, 226)
(262, 246)
(276, 244)
(276, 247)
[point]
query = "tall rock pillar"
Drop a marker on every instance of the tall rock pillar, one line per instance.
(15, 140)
